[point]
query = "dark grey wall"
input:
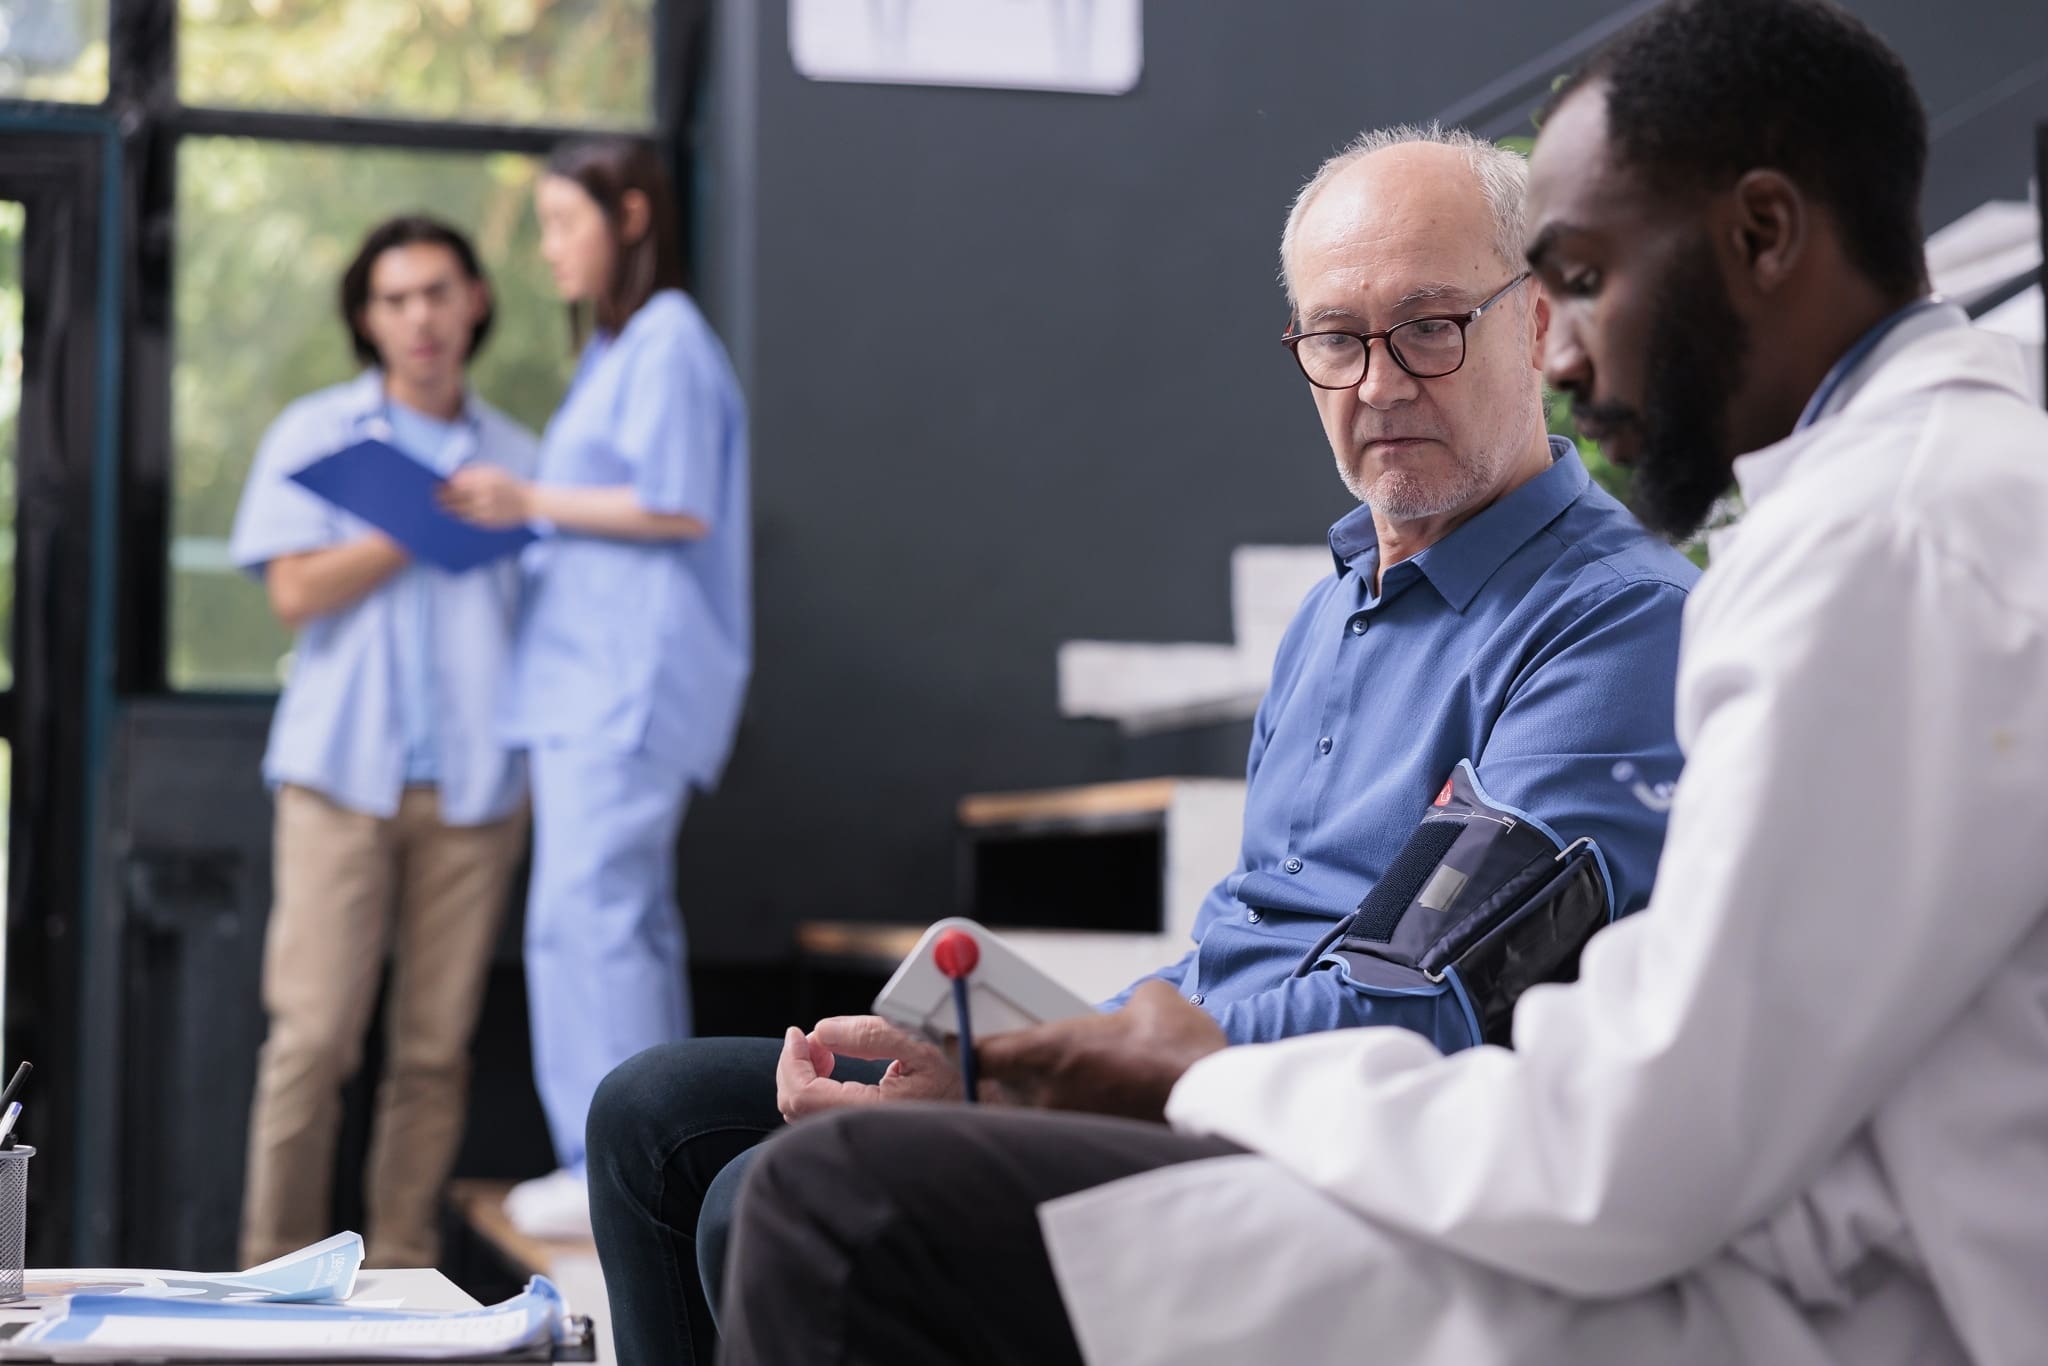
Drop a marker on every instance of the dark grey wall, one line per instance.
(1014, 381)
(1982, 69)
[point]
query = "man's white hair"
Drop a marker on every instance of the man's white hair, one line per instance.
(1502, 173)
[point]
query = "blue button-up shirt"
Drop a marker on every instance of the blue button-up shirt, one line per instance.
(633, 645)
(340, 727)
(1539, 640)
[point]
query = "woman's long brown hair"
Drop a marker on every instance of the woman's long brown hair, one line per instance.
(606, 169)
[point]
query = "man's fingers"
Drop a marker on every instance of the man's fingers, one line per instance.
(870, 1037)
(796, 1056)
(821, 1056)
(999, 1093)
(793, 1071)
(1017, 1055)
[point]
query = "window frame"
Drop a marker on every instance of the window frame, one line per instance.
(143, 109)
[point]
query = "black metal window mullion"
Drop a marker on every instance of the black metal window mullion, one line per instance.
(355, 130)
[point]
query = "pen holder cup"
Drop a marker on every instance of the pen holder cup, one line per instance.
(13, 1217)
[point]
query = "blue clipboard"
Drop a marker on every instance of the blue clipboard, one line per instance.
(398, 495)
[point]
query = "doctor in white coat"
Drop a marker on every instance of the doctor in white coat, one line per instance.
(1796, 1112)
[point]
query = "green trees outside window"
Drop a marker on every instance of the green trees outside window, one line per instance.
(265, 230)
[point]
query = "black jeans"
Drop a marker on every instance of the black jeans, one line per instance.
(663, 1127)
(908, 1234)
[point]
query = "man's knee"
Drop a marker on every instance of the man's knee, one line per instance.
(629, 1099)
(808, 1168)
(301, 1053)
(851, 1168)
(662, 1097)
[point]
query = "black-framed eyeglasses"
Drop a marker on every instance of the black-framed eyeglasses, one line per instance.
(1428, 347)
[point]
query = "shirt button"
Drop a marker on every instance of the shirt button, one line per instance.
(1292, 865)
(1324, 744)
(1195, 999)
(1252, 916)
(1358, 626)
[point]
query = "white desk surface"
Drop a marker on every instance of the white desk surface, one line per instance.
(419, 1287)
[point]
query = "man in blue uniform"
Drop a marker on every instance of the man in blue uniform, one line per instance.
(1488, 603)
(400, 813)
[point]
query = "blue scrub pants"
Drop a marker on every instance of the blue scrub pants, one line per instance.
(605, 953)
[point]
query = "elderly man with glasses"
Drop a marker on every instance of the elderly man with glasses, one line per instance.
(1492, 614)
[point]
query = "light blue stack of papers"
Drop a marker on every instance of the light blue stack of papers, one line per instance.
(324, 1271)
(127, 1328)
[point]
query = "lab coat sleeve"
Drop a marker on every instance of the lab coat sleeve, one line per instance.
(276, 516)
(673, 429)
(1854, 849)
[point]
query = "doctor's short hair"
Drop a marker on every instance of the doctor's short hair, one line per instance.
(1701, 92)
(607, 169)
(407, 230)
(1502, 173)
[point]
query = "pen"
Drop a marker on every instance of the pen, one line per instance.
(956, 955)
(20, 1076)
(7, 1125)
(966, 1029)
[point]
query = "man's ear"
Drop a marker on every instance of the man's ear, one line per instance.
(1767, 229)
(634, 215)
(1542, 328)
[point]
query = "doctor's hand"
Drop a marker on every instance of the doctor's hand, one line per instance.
(804, 1084)
(1122, 1063)
(488, 496)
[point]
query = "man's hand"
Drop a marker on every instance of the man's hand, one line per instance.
(488, 496)
(803, 1074)
(317, 582)
(1124, 1063)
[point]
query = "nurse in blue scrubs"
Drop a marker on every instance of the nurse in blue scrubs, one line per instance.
(635, 641)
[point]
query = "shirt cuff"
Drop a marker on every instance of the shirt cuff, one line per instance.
(1252, 1093)
(1201, 1101)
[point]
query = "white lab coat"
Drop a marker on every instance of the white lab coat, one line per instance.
(1794, 1112)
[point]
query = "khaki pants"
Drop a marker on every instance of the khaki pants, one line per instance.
(351, 888)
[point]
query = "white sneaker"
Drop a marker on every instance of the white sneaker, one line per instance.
(555, 1206)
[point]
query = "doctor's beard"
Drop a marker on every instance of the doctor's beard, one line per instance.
(1695, 357)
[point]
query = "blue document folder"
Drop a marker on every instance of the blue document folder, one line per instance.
(396, 494)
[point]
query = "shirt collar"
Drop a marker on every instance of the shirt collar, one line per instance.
(1760, 471)
(1459, 565)
(1868, 352)
(364, 395)
(365, 400)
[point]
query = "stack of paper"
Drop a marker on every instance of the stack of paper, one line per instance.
(287, 1310)
(324, 1271)
(125, 1328)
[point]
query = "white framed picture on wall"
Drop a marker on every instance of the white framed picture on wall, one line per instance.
(1085, 46)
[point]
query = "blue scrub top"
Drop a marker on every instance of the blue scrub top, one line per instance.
(644, 646)
(1540, 641)
(343, 726)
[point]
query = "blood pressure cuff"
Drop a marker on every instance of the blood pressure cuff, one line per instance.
(1483, 901)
